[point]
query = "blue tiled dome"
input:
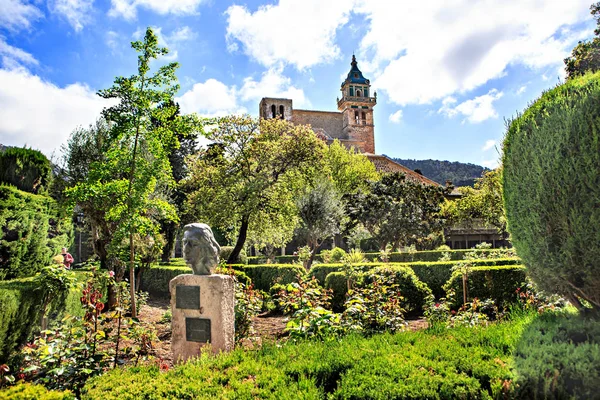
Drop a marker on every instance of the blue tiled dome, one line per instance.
(355, 76)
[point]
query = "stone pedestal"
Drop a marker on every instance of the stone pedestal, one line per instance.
(203, 312)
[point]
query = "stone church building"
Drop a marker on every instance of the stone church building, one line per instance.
(353, 123)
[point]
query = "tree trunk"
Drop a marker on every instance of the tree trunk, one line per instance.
(313, 253)
(241, 240)
(170, 234)
(132, 276)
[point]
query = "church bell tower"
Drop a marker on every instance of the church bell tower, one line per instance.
(356, 106)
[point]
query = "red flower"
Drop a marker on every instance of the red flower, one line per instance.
(111, 274)
(99, 306)
(453, 312)
(437, 304)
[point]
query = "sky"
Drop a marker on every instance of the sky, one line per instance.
(448, 73)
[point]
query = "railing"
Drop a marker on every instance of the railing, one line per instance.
(372, 100)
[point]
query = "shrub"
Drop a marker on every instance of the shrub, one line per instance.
(156, 279)
(551, 176)
(337, 282)
(22, 303)
(497, 283)
(27, 169)
(411, 288)
(265, 276)
(33, 230)
(557, 357)
(226, 252)
(332, 256)
(458, 363)
(27, 391)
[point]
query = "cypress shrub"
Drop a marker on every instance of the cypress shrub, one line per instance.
(27, 169)
(498, 283)
(551, 183)
(33, 230)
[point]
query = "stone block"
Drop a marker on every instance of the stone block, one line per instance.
(202, 308)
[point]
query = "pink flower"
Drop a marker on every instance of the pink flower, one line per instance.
(111, 274)
(437, 304)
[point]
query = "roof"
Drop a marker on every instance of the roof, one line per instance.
(386, 164)
(355, 75)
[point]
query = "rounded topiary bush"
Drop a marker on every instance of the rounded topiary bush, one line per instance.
(551, 183)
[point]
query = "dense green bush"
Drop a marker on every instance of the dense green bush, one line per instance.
(265, 276)
(551, 182)
(458, 363)
(498, 283)
(28, 391)
(155, 279)
(338, 283)
(226, 252)
(558, 357)
(27, 169)
(21, 310)
(32, 231)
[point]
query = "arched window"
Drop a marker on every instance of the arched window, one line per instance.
(273, 111)
(356, 117)
(358, 93)
(351, 91)
(281, 112)
(364, 118)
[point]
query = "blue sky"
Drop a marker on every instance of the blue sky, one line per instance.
(447, 73)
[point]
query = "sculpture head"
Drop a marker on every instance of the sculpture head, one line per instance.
(200, 249)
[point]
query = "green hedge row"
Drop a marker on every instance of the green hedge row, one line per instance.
(21, 310)
(499, 283)
(28, 391)
(465, 363)
(33, 231)
(425, 256)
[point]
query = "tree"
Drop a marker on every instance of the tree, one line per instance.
(27, 169)
(349, 170)
(141, 127)
(481, 204)
(321, 213)
(585, 57)
(397, 211)
(247, 180)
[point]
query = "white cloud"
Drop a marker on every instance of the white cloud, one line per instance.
(396, 117)
(169, 41)
(419, 54)
(77, 12)
(272, 84)
(301, 33)
(112, 40)
(128, 8)
(521, 90)
(18, 14)
(14, 58)
(475, 110)
(182, 34)
(211, 98)
(492, 164)
(41, 115)
(489, 144)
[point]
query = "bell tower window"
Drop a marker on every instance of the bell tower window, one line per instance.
(358, 93)
(273, 111)
(351, 91)
(281, 109)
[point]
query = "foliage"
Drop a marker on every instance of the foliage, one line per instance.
(557, 358)
(33, 230)
(26, 169)
(337, 283)
(531, 299)
(376, 306)
(332, 256)
(53, 281)
(321, 212)
(459, 173)
(414, 291)
(349, 170)
(265, 276)
(249, 177)
(28, 391)
(551, 163)
(498, 283)
(226, 252)
(458, 363)
(476, 312)
(585, 57)
(481, 205)
(398, 211)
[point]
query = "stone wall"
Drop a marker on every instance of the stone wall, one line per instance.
(265, 108)
(329, 121)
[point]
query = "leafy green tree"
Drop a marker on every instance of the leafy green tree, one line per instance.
(246, 182)
(397, 211)
(481, 204)
(141, 134)
(321, 214)
(349, 170)
(585, 57)
(27, 169)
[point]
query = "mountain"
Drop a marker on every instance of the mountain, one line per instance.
(461, 174)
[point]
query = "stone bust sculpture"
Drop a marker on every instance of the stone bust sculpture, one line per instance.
(200, 249)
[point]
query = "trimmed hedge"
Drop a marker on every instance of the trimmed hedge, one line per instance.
(155, 280)
(32, 231)
(412, 289)
(265, 276)
(497, 283)
(27, 169)
(28, 391)
(457, 363)
(551, 181)
(21, 312)
(558, 357)
(424, 256)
